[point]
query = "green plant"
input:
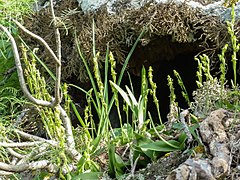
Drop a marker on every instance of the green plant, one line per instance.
(98, 98)
(59, 151)
(11, 9)
(235, 45)
(138, 137)
(141, 143)
(174, 109)
(131, 145)
(38, 86)
(181, 84)
(136, 107)
(8, 75)
(213, 93)
(10, 104)
(153, 92)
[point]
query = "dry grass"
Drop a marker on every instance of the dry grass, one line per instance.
(172, 22)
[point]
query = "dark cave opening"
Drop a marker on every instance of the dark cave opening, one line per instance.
(165, 56)
(186, 66)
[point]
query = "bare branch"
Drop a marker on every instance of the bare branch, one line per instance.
(57, 99)
(23, 164)
(20, 72)
(15, 154)
(33, 154)
(38, 38)
(35, 138)
(70, 146)
(66, 120)
(27, 166)
(20, 144)
(5, 173)
(13, 168)
(14, 159)
(68, 127)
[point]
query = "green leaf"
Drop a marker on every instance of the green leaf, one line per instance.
(142, 139)
(134, 101)
(178, 125)
(81, 162)
(115, 162)
(148, 152)
(123, 135)
(119, 162)
(96, 142)
(141, 114)
(161, 146)
(123, 94)
(192, 131)
(182, 139)
(88, 176)
(111, 152)
(159, 128)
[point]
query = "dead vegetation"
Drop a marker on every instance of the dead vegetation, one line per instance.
(169, 23)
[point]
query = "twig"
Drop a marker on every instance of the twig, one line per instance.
(10, 71)
(14, 153)
(65, 119)
(32, 155)
(38, 38)
(20, 71)
(57, 99)
(68, 127)
(20, 144)
(5, 173)
(35, 138)
(70, 147)
(27, 166)
(14, 160)
(70, 144)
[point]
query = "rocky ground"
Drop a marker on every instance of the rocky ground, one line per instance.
(217, 158)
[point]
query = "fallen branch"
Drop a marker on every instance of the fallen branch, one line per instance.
(20, 144)
(5, 173)
(39, 39)
(31, 137)
(15, 154)
(27, 166)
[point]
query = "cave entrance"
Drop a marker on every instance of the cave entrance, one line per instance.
(165, 56)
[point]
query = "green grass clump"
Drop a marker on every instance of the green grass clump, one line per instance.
(139, 140)
(212, 92)
(144, 138)
(140, 137)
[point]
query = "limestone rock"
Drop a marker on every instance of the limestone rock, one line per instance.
(215, 135)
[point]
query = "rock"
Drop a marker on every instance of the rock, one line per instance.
(215, 136)
(192, 169)
(214, 8)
